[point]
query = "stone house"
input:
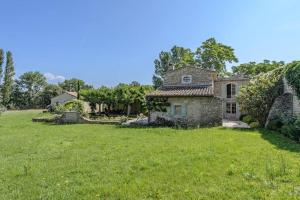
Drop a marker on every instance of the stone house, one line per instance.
(198, 96)
(69, 96)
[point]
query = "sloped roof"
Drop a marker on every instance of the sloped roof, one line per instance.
(183, 91)
(74, 94)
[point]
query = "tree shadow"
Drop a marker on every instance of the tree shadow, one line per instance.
(280, 141)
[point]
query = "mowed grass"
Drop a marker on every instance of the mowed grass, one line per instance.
(42, 161)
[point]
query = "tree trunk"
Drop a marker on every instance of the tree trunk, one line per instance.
(128, 109)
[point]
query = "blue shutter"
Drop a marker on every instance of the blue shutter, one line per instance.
(184, 110)
(172, 110)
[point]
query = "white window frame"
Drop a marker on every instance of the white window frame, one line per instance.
(185, 82)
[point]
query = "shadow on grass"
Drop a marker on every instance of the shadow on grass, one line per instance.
(279, 140)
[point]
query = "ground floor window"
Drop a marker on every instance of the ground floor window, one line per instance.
(177, 109)
(231, 108)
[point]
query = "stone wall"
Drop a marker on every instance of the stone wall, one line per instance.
(199, 76)
(296, 100)
(282, 108)
(200, 111)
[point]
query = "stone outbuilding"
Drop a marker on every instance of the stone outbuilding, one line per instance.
(198, 96)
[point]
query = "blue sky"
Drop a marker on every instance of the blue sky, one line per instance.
(112, 41)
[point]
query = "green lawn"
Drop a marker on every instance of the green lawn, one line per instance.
(41, 161)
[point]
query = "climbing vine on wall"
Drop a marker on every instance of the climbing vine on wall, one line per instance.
(257, 98)
(157, 104)
(293, 76)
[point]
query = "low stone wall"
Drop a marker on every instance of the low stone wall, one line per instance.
(282, 108)
(74, 118)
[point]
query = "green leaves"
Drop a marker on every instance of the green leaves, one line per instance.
(210, 55)
(259, 95)
(293, 76)
(252, 69)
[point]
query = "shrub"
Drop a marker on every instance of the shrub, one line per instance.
(259, 95)
(248, 119)
(275, 124)
(293, 76)
(254, 125)
(292, 130)
(160, 121)
(74, 105)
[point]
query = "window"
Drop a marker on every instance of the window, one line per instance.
(231, 90)
(186, 79)
(177, 110)
(231, 108)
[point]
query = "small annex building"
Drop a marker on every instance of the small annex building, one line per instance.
(198, 96)
(69, 96)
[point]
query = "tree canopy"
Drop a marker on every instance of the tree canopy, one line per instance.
(210, 55)
(74, 85)
(252, 69)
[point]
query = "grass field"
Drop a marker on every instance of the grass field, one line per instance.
(41, 161)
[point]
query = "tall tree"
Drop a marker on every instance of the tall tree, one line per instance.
(214, 55)
(1, 62)
(74, 85)
(1, 72)
(252, 68)
(32, 84)
(176, 58)
(49, 91)
(8, 79)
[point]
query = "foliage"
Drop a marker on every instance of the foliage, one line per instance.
(32, 84)
(292, 129)
(175, 58)
(214, 55)
(210, 55)
(1, 69)
(7, 86)
(74, 85)
(252, 69)
(248, 119)
(254, 125)
(275, 124)
(74, 105)
(49, 91)
(159, 104)
(293, 76)
(256, 99)
(40, 161)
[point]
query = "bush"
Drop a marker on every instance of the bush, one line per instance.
(74, 105)
(254, 125)
(275, 124)
(248, 119)
(292, 130)
(160, 121)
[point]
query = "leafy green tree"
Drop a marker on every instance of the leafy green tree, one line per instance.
(32, 83)
(8, 79)
(49, 91)
(1, 62)
(257, 98)
(293, 76)
(74, 85)
(1, 72)
(177, 57)
(252, 69)
(214, 55)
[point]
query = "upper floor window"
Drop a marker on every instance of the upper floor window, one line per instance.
(231, 90)
(186, 79)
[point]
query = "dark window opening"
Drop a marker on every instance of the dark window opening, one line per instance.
(231, 90)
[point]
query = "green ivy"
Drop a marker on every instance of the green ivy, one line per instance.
(293, 76)
(157, 104)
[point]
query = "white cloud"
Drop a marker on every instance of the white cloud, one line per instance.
(54, 78)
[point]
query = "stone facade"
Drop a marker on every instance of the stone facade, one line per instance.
(200, 111)
(198, 96)
(199, 76)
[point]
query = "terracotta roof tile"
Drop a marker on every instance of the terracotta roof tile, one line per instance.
(177, 91)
